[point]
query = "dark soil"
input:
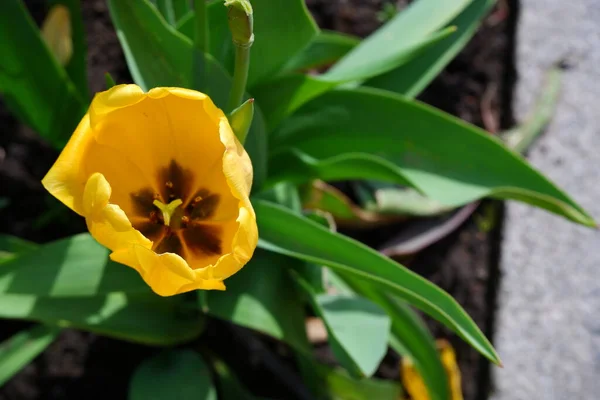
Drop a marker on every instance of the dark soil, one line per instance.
(477, 87)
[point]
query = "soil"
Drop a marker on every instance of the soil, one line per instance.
(476, 86)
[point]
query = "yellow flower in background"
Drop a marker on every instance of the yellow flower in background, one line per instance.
(414, 384)
(163, 182)
(56, 32)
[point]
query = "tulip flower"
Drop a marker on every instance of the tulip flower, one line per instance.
(163, 182)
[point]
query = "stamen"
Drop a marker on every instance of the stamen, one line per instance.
(168, 210)
(185, 220)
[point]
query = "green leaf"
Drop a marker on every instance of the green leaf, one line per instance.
(173, 375)
(285, 194)
(321, 196)
(157, 55)
(230, 387)
(147, 319)
(221, 46)
(256, 146)
(389, 199)
(411, 337)
(186, 24)
(181, 8)
(76, 266)
(33, 86)
(314, 243)
(281, 96)
(240, 119)
(295, 166)
(262, 296)
(22, 348)
(275, 42)
(77, 66)
(407, 30)
(325, 48)
(366, 61)
(357, 329)
(343, 387)
(411, 78)
(109, 82)
(13, 244)
(445, 158)
(167, 9)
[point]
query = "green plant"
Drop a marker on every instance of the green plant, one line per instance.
(356, 121)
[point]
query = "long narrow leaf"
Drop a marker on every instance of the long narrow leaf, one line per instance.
(358, 329)
(447, 159)
(408, 330)
(326, 48)
(22, 348)
(173, 375)
(263, 297)
(147, 319)
(76, 266)
(281, 96)
(282, 28)
(340, 386)
(409, 336)
(298, 167)
(406, 32)
(314, 243)
(32, 84)
(411, 78)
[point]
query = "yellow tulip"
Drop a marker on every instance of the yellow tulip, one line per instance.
(163, 182)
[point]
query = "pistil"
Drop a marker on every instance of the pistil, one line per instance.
(168, 209)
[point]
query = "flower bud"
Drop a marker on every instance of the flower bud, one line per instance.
(241, 22)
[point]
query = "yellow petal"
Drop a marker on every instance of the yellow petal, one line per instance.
(66, 179)
(244, 244)
(414, 384)
(116, 98)
(451, 366)
(167, 274)
(412, 381)
(96, 194)
(56, 32)
(159, 92)
(236, 163)
(107, 223)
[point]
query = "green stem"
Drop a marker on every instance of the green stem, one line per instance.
(240, 76)
(201, 37)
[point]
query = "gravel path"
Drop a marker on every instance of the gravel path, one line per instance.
(548, 331)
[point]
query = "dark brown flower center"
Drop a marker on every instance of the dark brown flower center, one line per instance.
(177, 219)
